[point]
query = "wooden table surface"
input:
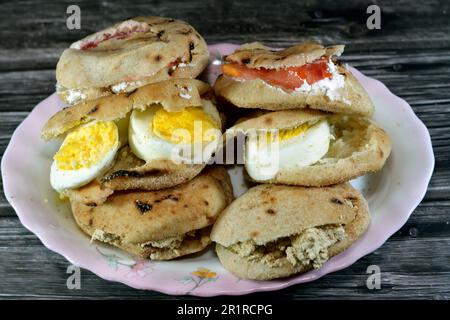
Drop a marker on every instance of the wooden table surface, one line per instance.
(410, 54)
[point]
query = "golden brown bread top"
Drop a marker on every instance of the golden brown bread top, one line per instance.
(359, 146)
(170, 94)
(308, 209)
(122, 56)
(140, 216)
(129, 172)
(268, 212)
(350, 99)
(256, 55)
(283, 119)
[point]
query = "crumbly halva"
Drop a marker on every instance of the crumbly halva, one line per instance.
(310, 247)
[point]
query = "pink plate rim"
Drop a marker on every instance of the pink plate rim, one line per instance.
(409, 203)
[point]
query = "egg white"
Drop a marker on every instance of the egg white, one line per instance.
(62, 180)
(264, 160)
(146, 145)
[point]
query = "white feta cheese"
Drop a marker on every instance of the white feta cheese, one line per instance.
(123, 86)
(184, 93)
(74, 96)
(327, 86)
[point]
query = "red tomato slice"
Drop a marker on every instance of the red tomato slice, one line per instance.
(288, 78)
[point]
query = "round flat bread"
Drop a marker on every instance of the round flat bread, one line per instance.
(170, 94)
(341, 94)
(359, 146)
(268, 213)
(351, 99)
(160, 224)
(128, 171)
(256, 55)
(128, 55)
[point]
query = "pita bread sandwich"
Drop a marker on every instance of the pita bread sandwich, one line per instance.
(275, 231)
(155, 137)
(159, 225)
(309, 147)
(306, 75)
(128, 55)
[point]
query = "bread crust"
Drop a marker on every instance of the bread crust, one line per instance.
(166, 93)
(130, 173)
(256, 55)
(188, 246)
(366, 150)
(134, 218)
(351, 99)
(141, 58)
(268, 212)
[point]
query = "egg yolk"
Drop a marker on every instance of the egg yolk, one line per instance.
(194, 121)
(86, 145)
(286, 134)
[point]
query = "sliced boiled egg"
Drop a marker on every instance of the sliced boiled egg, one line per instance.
(268, 153)
(85, 153)
(187, 136)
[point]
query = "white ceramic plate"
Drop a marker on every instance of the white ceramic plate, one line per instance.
(392, 195)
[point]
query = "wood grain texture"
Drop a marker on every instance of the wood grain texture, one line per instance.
(410, 54)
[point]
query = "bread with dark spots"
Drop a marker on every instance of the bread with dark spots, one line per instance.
(92, 65)
(359, 146)
(352, 98)
(256, 55)
(114, 107)
(133, 219)
(348, 98)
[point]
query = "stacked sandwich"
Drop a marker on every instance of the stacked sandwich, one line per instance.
(140, 132)
(131, 180)
(311, 134)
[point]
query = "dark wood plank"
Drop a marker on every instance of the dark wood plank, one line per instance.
(227, 20)
(402, 275)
